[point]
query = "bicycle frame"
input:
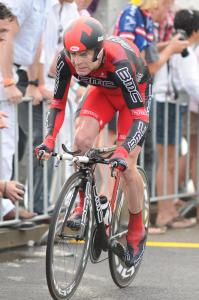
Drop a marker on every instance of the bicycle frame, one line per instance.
(91, 195)
(91, 189)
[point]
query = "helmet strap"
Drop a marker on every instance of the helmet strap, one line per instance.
(97, 53)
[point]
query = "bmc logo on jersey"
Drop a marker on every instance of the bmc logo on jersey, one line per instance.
(137, 136)
(129, 84)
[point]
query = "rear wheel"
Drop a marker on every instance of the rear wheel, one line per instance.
(67, 250)
(121, 274)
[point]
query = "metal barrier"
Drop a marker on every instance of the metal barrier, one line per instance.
(62, 172)
(180, 190)
(58, 177)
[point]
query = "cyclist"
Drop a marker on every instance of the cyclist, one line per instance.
(118, 80)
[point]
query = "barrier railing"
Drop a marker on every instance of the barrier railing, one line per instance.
(187, 192)
(51, 189)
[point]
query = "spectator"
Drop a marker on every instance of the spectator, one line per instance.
(188, 22)
(82, 7)
(8, 189)
(93, 6)
(194, 107)
(134, 17)
(19, 71)
(135, 23)
(5, 19)
(11, 191)
(181, 81)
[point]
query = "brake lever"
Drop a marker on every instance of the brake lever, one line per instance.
(40, 154)
(58, 159)
(57, 163)
(113, 168)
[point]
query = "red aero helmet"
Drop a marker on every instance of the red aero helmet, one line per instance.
(82, 34)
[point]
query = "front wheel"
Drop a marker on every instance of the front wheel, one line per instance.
(67, 250)
(121, 274)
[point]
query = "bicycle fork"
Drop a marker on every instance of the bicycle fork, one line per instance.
(85, 209)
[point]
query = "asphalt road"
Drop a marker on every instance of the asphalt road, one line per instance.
(169, 271)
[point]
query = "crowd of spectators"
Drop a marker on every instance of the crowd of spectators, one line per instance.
(11, 191)
(179, 83)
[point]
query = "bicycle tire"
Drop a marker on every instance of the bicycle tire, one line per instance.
(120, 273)
(66, 255)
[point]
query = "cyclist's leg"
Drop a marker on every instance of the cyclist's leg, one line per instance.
(90, 120)
(133, 189)
(132, 182)
(96, 111)
(134, 193)
(131, 178)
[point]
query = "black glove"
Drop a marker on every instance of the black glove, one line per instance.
(45, 149)
(118, 159)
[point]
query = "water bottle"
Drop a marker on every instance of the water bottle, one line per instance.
(106, 209)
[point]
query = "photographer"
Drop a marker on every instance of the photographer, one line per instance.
(175, 83)
(185, 73)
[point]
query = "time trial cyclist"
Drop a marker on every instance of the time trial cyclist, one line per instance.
(118, 80)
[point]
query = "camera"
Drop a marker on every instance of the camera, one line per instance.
(183, 37)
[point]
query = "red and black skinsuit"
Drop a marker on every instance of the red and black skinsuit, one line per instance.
(122, 83)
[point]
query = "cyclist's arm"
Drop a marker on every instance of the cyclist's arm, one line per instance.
(56, 112)
(134, 97)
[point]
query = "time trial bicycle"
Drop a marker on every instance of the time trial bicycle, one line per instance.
(68, 250)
